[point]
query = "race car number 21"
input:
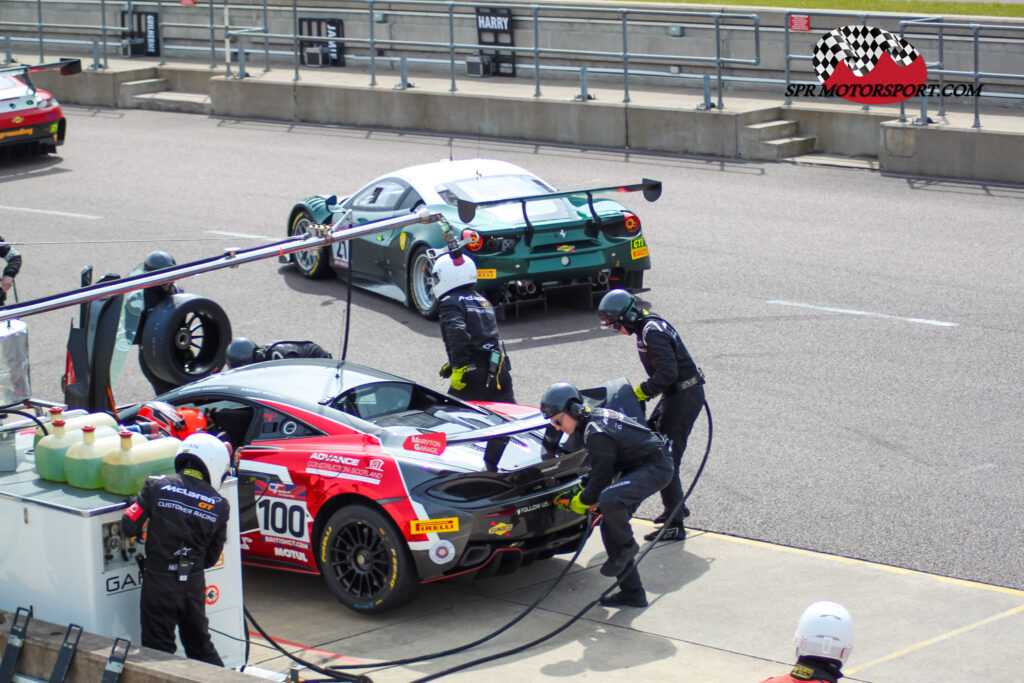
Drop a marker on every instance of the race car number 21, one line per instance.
(281, 519)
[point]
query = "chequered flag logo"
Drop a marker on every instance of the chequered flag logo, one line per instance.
(860, 47)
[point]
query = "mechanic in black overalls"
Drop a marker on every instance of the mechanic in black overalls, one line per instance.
(671, 373)
(477, 364)
(187, 529)
(242, 351)
(151, 296)
(628, 463)
(13, 264)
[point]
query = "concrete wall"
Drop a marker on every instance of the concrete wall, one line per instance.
(948, 151)
(43, 643)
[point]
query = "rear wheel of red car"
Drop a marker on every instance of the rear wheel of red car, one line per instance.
(312, 263)
(365, 561)
(420, 289)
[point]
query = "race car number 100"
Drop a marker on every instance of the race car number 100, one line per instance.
(282, 519)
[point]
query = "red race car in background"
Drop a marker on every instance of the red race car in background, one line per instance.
(28, 115)
(378, 483)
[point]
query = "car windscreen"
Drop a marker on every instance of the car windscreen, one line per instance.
(491, 187)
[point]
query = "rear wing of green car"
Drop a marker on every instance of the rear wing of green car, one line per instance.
(650, 188)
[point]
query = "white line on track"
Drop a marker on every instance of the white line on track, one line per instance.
(53, 213)
(870, 314)
(243, 235)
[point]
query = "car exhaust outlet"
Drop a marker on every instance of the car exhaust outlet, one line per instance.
(601, 278)
(530, 287)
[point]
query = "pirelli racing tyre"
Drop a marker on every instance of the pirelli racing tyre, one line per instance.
(365, 561)
(186, 337)
(419, 285)
(312, 263)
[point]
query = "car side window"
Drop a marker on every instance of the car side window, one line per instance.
(231, 420)
(276, 425)
(374, 400)
(386, 195)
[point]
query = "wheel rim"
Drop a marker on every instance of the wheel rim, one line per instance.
(360, 560)
(195, 344)
(422, 287)
(305, 259)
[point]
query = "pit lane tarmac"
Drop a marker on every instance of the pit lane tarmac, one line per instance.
(721, 608)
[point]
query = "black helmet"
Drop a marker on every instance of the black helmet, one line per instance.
(242, 351)
(618, 308)
(157, 260)
(559, 398)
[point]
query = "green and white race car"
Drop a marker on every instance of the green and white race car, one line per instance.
(527, 239)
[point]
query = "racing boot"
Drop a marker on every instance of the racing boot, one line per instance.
(625, 599)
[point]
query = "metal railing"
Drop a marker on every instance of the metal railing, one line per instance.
(734, 38)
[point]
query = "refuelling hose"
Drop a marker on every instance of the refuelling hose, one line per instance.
(576, 617)
(334, 672)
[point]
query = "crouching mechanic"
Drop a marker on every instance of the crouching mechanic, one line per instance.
(477, 364)
(672, 374)
(187, 530)
(824, 639)
(628, 463)
(242, 351)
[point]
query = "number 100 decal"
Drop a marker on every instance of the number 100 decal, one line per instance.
(283, 519)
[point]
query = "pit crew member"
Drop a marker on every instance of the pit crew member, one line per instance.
(628, 463)
(187, 530)
(477, 364)
(672, 374)
(824, 639)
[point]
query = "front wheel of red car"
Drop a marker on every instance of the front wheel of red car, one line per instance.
(365, 561)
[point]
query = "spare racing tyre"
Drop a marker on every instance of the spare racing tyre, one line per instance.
(186, 337)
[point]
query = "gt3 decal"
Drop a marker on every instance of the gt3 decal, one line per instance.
(434, 526)
(638, 248)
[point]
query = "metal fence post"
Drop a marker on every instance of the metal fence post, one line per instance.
(39, 25)
(707, 103)
(8, 58)
(266, 40)
(789, 100)
(864, 22)
(103, 30)
(977, 116)
(451, 43)
(536, 51)
(295, 37)
(625, 57)
(584, 95)
(403, 74)
(942, 75)
(373, 49)
(160, 31)
(718, 56)
(213, 41)
(923, 120)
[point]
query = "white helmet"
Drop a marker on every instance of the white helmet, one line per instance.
(205, 451)
(450, 274)
(825, 630)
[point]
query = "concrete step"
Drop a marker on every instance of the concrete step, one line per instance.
(169, 100)
(838, 160)
(126, 91)
(782, 148)
(772, 130)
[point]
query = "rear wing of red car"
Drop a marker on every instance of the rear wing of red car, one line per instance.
(650, 188)
(67, 66)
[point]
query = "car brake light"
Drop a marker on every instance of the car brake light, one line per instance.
(46, 103)
(632, 222)
(475, 241)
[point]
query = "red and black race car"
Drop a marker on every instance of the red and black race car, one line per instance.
(29, 115)
(378, 483)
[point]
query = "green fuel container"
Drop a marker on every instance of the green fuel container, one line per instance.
(51, 450)
(125, 468)
(83, 461)
(75, 424)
